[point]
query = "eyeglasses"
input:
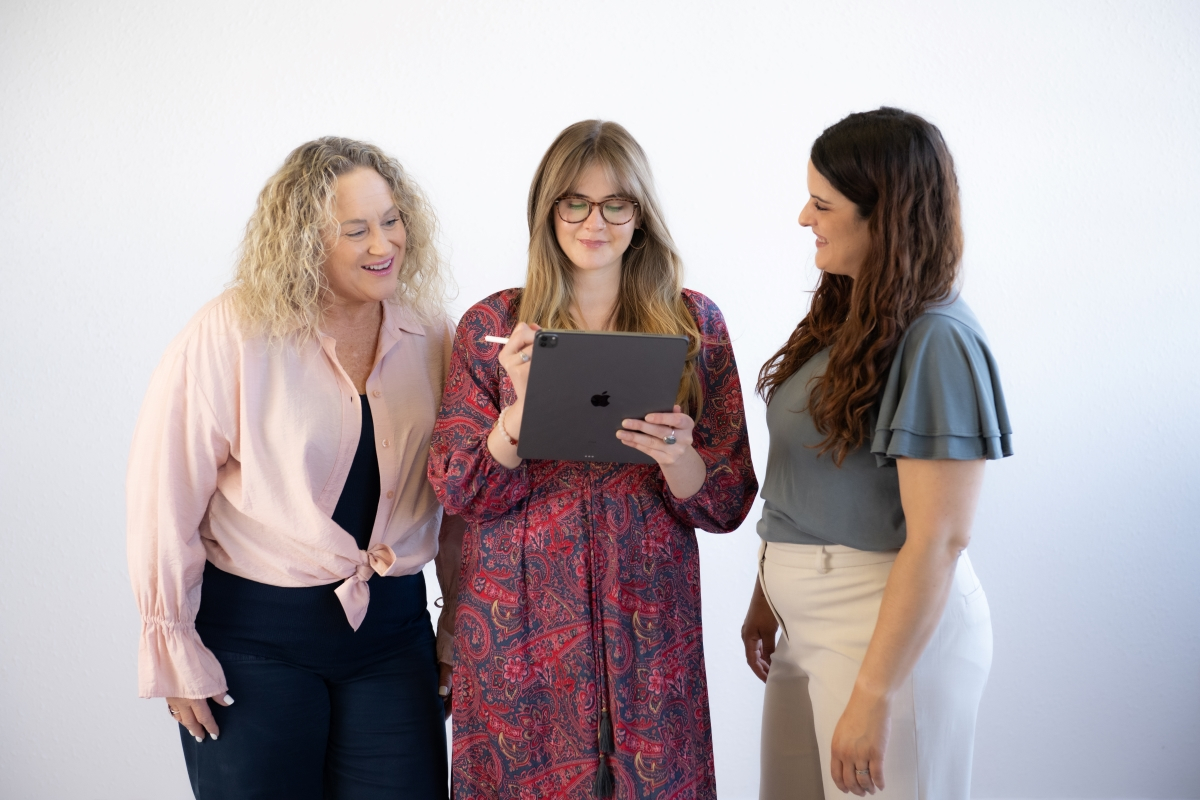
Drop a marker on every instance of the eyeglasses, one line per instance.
(615, 210)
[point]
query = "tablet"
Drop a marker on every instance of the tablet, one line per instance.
(583, 383)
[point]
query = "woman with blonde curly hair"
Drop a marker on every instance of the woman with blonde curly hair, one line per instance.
(580, 665)
(279, 513)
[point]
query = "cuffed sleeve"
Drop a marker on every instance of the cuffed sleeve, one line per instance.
(943, 398)
(173, 662)
(178, 448)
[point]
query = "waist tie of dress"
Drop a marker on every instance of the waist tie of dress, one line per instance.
(354, 593)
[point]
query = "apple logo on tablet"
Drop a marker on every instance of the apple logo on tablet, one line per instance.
(601, 399)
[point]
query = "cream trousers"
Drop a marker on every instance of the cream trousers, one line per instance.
(826, 599)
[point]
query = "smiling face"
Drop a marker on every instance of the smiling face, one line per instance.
(594, 244)
(364, 255)
(843, 236)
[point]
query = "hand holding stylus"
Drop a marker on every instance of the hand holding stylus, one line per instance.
(514, 357)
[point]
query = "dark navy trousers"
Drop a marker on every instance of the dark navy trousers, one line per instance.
(321, 711)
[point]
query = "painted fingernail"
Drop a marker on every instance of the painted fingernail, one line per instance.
(214, 736)
(199, 738)
(228, 700)
(443, 691)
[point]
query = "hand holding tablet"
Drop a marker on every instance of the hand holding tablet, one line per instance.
(586, 387)
(664, 437)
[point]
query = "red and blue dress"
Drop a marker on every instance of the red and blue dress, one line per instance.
(580, 589)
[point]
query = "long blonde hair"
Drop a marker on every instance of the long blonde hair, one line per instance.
(650, 298)
(279, 285)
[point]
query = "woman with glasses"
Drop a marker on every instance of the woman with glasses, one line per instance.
(883, 406)
(579, 664)
(278, 506)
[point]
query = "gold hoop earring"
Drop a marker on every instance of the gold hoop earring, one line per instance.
(643, 239)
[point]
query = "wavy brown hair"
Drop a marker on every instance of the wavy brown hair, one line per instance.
(896, 169)
(279, 286)
(650, 299)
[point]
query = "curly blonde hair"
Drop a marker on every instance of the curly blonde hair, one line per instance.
(279, 286)
(650, 298)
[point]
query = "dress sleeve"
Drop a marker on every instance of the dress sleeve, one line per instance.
(448, 566)
(178, 447)
(720, 435)
(467, 479)
(448, 561)
(943, 398)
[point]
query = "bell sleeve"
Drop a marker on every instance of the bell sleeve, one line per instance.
(178, 448)
(467, 479)
(943, 398)
(720, 435)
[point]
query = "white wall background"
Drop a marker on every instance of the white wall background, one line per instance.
(134, 138)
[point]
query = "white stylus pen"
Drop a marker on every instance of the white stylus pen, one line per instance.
(496, 339)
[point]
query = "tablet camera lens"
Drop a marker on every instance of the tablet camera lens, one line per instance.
(548, 340)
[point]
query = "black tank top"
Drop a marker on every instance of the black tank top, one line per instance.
(359, 501)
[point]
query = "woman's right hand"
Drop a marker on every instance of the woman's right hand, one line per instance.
(515, 357)
(758, 633)
(196, 716)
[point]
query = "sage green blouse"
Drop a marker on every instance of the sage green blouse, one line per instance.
(942, 400)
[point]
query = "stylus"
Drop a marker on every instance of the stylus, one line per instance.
(496, 339)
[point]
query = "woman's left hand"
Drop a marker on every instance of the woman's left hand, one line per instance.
(859, 742)
(667, 438)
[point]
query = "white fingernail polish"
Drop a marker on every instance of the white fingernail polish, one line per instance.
(214, 736)
(199, 738)
(228, 700)
(443, 690)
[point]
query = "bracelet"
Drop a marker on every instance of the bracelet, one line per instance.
(500, 425)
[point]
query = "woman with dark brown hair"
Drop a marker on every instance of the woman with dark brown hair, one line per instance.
(882, 407)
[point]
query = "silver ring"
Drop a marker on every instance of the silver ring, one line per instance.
(174, 711)
(669, 439)
(524, 357)
(862, 772)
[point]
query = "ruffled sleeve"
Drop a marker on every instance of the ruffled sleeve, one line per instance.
(178, 448)
(720, 435)
(943, 398)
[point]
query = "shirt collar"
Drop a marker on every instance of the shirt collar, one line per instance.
(397, 317)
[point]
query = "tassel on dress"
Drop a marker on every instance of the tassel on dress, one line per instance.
(604, 785)
(606, 734)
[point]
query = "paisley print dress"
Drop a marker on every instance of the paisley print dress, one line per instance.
(580, 589)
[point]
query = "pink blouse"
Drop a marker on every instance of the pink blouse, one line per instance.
(239, 457)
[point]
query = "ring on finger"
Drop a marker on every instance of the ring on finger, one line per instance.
(862, 771)
(524, 357)
(670, 439)
(174, 711)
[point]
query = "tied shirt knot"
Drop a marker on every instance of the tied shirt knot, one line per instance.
(354, 593)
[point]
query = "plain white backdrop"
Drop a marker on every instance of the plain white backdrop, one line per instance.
(134, 138)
